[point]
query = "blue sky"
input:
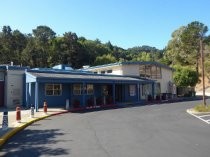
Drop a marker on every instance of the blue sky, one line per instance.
(125, 23)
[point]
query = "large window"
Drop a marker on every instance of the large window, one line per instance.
(77, 89)
(150, 71)
(53, 89)
(90, 89)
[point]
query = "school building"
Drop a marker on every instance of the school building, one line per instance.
(80, 88)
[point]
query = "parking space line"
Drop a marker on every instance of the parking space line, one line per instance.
(208, 115)
(206, 121)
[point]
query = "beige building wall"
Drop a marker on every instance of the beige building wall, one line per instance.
(116, 70)
(129, 69)
(133, 70)
(167, 77)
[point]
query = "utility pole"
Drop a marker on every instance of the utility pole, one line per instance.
(202, 67)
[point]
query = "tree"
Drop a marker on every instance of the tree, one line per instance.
(191, 37)
(19, 41)
(105, 59)
(6, 45)
(185, 76)
(43, 36)
(174, 54)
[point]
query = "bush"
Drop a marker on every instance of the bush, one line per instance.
(202, 108)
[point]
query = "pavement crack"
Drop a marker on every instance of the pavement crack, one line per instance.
(98, 140)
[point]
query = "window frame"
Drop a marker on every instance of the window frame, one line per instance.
(150, 71)
(53, 89)
(88, 90)
(109, 71)
(79, 89)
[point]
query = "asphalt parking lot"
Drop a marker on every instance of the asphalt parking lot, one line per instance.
(148, 131)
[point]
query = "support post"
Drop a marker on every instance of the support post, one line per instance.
(138, 88)
(153, 90)
(36, 96)
(113, 93)
(26, 95)
(83, 94)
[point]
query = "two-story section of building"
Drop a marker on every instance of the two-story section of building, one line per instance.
(160, 73)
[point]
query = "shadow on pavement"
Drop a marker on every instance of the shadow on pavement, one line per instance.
(34, 143)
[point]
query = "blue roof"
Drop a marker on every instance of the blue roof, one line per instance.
(127, 63)
(14, 67)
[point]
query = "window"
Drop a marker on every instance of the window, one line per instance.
(102, 72)
(109, 71)
(132, 90)
(53, 89)
(95, 72)
(146, 89)
(150, 71)
(89, 89)
(159, 72)
(77, 89)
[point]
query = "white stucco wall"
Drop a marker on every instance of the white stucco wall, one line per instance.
(14, 88)
(167, 76)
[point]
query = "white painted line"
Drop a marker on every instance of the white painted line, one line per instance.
(208, 115)
(208, 122)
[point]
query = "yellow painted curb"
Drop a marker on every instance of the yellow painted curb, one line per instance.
(11, 133)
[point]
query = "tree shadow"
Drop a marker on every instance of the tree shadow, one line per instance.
(34, 143)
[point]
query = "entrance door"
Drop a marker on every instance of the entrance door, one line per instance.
(1, 93)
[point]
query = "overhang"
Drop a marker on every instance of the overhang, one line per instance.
(75, 78)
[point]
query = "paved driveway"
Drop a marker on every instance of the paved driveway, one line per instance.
(144, 131)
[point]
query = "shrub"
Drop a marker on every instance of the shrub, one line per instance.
(202, 108)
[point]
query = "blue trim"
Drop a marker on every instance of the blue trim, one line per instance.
(54, 80)
(64, 71)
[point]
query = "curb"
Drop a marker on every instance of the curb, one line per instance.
(17, 129)
(192, 111)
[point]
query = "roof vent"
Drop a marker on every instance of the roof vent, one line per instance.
(85, 66)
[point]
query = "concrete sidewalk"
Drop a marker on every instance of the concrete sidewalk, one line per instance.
(14, 126)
